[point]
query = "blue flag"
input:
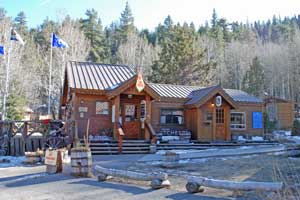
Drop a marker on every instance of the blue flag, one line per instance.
(16, 37)
(57, 42)
(2, 50)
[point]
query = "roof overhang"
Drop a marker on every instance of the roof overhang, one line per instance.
(131, 83)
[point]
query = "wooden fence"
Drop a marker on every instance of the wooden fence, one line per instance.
(18, 137)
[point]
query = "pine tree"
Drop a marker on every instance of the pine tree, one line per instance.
(21, 23)
(180, 60)
(92, 28)
(15, 106)
(2, 13)
(126, 23)
(253, 81)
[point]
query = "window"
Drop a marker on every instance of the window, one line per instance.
(143, 109)
(237, 120)
(171, 116)
(208, 116)
(102, 108)
(220, 116)
(130, 112)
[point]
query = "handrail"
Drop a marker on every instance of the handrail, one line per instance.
(152, 132)
(120, 137)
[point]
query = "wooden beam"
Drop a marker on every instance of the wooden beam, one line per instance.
(148, 117)
(214, 123)
(117, 116)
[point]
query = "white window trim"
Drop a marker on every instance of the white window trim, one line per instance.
(245, 116)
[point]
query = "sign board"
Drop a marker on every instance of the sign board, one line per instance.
(257, 121)
(51, 157)
(82, 109)
(140, 85)
(218, 101)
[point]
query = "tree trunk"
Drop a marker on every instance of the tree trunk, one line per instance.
(131, 175)
(193, 182)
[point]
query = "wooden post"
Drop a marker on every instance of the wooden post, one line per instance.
(227, 122)
(148, 117)
(214, 122)
(117, 116)
(199, 123)
(120, 139)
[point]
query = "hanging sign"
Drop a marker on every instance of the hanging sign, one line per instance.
(218, 101)
(51, 157)
(140, 85)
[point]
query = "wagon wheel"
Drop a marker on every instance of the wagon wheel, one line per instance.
(55, 142)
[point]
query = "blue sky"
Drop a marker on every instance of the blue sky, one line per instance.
(148, 13)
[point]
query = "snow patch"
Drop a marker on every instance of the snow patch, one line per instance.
(241, 138)
(37, 134)
(163, 152)
(13, 161)
(257, 138)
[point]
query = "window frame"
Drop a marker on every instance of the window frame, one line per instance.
(99, 101)
(245, 119)
(220, 115)
(172, 110)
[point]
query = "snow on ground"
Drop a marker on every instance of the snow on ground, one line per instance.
(163, 152)
(13, 161)
(257, 138)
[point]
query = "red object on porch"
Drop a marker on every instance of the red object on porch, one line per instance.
(46, 121)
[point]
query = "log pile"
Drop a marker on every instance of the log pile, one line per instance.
(194, 184)
(158, 180)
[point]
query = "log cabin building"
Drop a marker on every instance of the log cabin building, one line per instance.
(104, 97)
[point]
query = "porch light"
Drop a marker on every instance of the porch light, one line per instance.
(129, 96)
(81, 101)
(212, 104)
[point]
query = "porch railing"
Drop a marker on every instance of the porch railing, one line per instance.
(152, 132)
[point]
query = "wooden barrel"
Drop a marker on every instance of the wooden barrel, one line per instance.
(81, 162)
(33, 157)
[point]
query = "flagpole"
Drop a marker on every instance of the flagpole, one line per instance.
(6, 82)
(50, 74)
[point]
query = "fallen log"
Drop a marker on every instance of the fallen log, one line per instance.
(158, 180)
(194, 184)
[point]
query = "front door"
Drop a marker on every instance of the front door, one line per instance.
(220, 134)
(131, 120)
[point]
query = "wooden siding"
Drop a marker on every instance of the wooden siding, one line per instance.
(248, 108)
(283, 112)
(285, 115)
(155, 118)
(97, 122)
(209, 130)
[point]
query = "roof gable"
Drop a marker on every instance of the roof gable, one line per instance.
(201, 96)
(97, 76)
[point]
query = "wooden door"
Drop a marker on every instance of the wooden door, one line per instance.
(220, 134)
(131, 120)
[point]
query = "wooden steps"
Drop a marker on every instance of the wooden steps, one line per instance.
(111, 147)
(143, 147)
